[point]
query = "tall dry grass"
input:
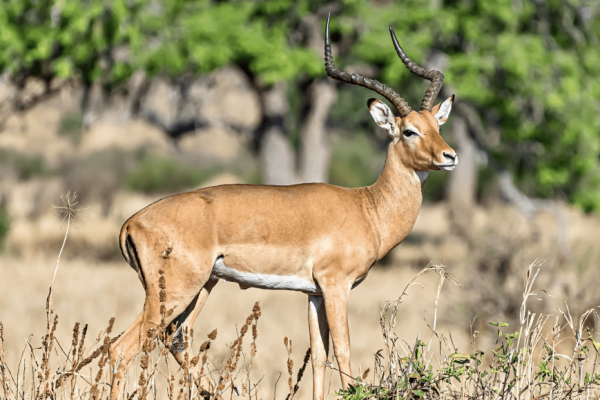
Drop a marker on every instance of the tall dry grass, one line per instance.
(538, 360)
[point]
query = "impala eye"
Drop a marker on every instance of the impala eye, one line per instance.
(409, 133)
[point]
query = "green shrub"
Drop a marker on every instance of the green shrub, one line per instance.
(31, 166)
(355, 162)
(26, 166)
(71, 125)
(435, 186)
(4, 225)
(162, 174)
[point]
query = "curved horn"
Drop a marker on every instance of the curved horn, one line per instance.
(394, 98)
(436, 77)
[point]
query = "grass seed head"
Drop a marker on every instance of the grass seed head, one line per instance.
(194, 361)
(82, 341)
(366, 373)
(142, 380)
(111, 323)
(205, 346)
(75, 337)
(256, 310)
(144, 361)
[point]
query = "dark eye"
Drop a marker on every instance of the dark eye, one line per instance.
(409, 133)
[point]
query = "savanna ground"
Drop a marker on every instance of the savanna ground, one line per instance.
(92, 293)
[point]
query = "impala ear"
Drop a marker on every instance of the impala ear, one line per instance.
(442, 110)
(382, 115)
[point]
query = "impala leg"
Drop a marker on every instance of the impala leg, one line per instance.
(180, 291)
(186, 320)
(319, 343)
(124, 349)
(336, 307)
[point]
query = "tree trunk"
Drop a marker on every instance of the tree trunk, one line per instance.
(315, 152)
(461, 189)
(462, 182)
(277, 158)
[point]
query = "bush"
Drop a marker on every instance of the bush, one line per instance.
(162, 174)
(71, 125)
(436, 185)
(4, 225)
(355, 162)
(24, 165)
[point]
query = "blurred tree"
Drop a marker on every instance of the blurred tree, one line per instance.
(524, 70)
(528, 70)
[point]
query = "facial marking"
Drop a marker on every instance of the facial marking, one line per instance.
(410, 127)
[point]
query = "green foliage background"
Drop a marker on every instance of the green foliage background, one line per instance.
(529, 68)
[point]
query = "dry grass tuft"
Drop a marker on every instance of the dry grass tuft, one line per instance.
(529, 363)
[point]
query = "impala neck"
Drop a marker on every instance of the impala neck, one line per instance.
(397, 196)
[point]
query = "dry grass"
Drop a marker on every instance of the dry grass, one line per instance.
(53, 370)
(37, 361)
(92, 293)
(529, 363)
(537, 361)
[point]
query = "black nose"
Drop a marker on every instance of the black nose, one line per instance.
(453, 157)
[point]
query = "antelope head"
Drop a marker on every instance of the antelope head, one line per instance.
(416, 134)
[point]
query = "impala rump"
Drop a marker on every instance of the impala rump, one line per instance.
(130, 253)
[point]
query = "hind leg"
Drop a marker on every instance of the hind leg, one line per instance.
(186, 321)
(178, 295)
(130, 343)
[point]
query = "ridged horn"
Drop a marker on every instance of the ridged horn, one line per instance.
(436, 77)
(389, 93)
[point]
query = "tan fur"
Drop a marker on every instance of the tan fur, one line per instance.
(327, 235)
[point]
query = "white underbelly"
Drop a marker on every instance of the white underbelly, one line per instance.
(262, 281)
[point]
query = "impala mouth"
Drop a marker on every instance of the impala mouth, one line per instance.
(451, 159)
(448, 166)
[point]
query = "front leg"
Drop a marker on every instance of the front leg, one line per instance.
(336, 307)
(319, 343)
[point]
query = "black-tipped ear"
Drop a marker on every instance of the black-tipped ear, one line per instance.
(369, 102)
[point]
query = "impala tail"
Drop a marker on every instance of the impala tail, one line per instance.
(129, 252)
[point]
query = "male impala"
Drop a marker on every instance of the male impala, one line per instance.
(315, 238)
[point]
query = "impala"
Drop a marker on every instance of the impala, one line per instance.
(315, 238)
